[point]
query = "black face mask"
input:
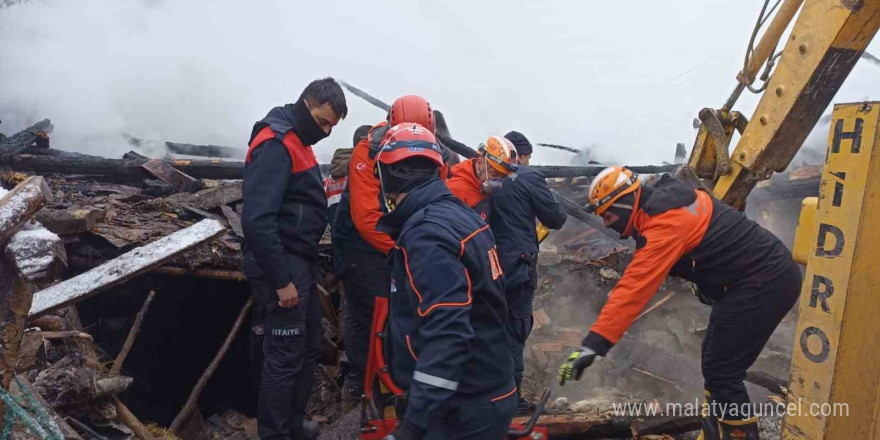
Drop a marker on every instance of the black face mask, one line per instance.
(623, 215)
(305, 126)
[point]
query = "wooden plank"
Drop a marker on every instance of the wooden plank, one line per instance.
(37, 254)
(233, 219)
(20, 204)
(125, 267)
(540, 318)
(129, 419)
(12, 325)
(168, 174)
(70, 221)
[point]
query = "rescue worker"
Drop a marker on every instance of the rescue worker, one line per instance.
(335, 183)
(523, 197)
(740, 268)
(522, 145)
(448, 342)
(362, 248)
(475, 179)
(283, 219)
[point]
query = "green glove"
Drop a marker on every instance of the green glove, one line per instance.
(576, 363)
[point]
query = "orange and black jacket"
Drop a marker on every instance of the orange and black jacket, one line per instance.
(360, 207)
(465, 185)
(284, 212)
(685, 232)
(447, 310)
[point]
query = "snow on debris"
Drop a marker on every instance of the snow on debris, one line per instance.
(32, 249)
(125, 266)
(18, 204)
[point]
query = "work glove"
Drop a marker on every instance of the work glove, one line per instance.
(406, 431)
(576, 363)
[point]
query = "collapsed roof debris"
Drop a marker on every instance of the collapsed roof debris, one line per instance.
(115, 219)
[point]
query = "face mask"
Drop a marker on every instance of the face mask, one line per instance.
(623, 215)
(305, 126)
(491, 185)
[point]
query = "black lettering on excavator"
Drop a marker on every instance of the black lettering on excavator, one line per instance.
(826, 345)
(855, 136)
(838, 189)
(817, 296)
(824, 230)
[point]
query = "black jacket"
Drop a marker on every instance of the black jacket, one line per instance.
(523, 196)
(284, 200)
(447, 310)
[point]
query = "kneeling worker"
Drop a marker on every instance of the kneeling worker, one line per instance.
(740, 268)
(448, 342)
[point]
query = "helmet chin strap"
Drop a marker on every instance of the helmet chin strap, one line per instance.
(390, 203)
(632, 215)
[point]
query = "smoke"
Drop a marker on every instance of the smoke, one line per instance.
(559, 71)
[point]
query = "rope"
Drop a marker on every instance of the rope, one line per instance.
(43, 415)
(15, 411)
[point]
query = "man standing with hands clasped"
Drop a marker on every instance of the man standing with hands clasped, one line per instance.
(283, 219)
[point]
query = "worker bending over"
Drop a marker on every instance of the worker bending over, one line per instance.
(283, 219)
(523, 197)
(740, 268)
(448, 342)
(363, 249)
(475, 179)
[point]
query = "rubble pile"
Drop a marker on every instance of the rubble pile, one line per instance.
(74, 226)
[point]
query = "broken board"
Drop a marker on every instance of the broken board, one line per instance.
(125, 267)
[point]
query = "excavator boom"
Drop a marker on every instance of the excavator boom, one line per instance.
(825, 43)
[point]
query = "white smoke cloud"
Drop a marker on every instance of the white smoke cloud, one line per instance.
(561, 71)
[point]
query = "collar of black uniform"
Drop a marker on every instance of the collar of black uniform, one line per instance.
(422, 195)
(297, 118)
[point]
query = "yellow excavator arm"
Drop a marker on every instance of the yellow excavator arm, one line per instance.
(825, 43)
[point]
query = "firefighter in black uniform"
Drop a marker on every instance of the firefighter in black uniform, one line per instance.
(283, 219)
(449, 348)
(523, 196)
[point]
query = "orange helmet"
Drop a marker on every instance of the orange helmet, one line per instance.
(405, 141)
(608, 186)
(499, 153)
(411, 108)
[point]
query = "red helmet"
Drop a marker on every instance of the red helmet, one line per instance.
(408, 140)
(411, 108)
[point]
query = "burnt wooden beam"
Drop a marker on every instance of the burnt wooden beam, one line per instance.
(20, 204)
(178, 179)
(190, 149)
(124, 170)
(125, 267)
(16, 143)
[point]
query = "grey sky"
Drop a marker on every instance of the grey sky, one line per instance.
(626, 77)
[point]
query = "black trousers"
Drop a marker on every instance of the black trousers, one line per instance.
(519, 320)
(292, 345)
(484, 417)
(740, 324)
(366, 277)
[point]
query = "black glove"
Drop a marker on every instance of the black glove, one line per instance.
(576, 363)
(406, 431)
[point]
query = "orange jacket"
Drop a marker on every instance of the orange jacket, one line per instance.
(663, 240)
(363, 187)
(465, 184)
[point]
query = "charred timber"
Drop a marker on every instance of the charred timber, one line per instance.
(122, 170)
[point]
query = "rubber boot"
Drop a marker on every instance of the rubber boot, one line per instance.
(710, 428)
(739, 429)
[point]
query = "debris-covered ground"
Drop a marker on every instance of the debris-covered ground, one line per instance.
(147, 226)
